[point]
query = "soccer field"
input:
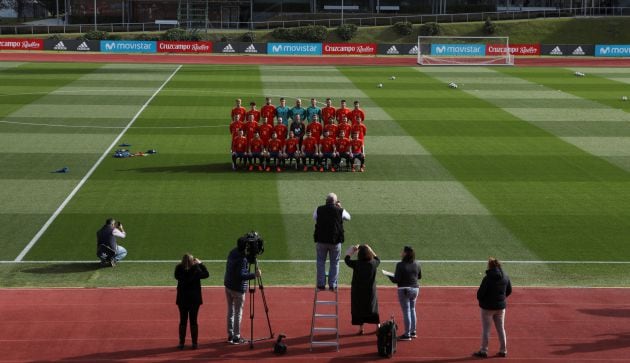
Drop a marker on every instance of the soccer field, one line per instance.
(531, 165)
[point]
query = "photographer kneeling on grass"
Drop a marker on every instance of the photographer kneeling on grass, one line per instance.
(236, 277)
(107, 249)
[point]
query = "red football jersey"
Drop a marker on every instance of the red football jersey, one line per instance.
(250, 129)
(357, 113)
(256, 145)
(327, 145)
(256, 114)
(332, 129)
(291, 145)
(357, 146)
(275, 145)
(235, 126)
(328, 113)
(361, 129)
(281, 131)
(268, 112)
(239, 144)
(316, 129)
(265, 130)
(240, 111)
(309, 145)
(345, 127)
(343, 145)
(343, 112)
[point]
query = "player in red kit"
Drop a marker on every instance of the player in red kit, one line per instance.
(281, 129)
(265, 130)
(239, 149)
(328, 112)
(239, 110)
(291, 151)
(343, 126)
(268, 112)
(255, 152)
(309, 151)
(327, 151)
(236, 125)
(360, 128)
(342, 151)
(274, 151)
(250, 127)
(253, 111)
(331, 128)
(342, 111)
(358, 151)
(315, 127)
(356, 114)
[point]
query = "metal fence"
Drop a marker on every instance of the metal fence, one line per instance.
(331, 22)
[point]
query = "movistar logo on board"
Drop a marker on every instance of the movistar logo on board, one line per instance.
(458, 49)
(60, 46)
(616, 50)
(295, 48)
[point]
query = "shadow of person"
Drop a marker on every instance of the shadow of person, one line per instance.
(63, 268)
(613, 313)
(191, 169)
(610, 341)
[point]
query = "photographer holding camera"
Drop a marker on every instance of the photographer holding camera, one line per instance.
(235, 281)
(328, 236)
(107, 248)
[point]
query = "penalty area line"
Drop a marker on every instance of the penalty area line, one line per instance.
(262, 261)
(74, 191)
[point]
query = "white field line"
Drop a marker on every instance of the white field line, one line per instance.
(263, 261)
(74, 191)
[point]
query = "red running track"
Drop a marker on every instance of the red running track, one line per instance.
(140, 324)
(285, 60)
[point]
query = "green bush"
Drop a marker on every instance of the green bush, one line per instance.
(96, 35)
(225, 39)
(54, 37)
(178, 34)
(403, 28)
(145, 36)
(347, 31)
(430, 29)
(488, 27)
(249, 37)
(311, 33)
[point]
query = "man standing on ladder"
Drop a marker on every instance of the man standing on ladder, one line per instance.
(328, 236)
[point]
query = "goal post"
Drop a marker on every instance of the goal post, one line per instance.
(464, 51)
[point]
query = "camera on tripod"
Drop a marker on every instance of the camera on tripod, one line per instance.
(252, 245)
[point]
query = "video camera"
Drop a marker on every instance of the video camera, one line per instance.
(252, 245)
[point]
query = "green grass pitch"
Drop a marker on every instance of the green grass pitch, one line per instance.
(531, 165)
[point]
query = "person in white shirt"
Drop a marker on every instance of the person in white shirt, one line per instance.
(107, 248)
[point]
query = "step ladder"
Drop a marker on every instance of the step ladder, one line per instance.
(324, 312)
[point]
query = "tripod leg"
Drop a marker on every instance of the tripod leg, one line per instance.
(264, 299)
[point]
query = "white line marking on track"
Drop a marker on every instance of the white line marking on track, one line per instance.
(313, 261)
(74, 191)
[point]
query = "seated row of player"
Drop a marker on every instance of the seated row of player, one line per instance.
(312, 152)
(269, 112)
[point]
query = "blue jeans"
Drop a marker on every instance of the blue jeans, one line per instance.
(235, 302)
(407, 297)
(121, 252)
(333, 251)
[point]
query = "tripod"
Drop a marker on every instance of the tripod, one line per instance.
(252, 303)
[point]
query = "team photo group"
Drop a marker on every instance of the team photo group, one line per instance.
(312, 138)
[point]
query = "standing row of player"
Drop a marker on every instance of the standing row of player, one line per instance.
(305, 139)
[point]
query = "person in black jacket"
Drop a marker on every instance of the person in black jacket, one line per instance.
(492, 294)
(189, 274)
(235, 281)
(363, 300)
(407, 274)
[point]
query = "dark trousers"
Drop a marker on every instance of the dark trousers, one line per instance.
(188, 313)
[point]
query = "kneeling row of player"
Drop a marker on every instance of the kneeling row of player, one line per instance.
(309, 152)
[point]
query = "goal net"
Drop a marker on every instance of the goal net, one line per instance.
(464, 51)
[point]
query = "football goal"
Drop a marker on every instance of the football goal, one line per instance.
(464, 51)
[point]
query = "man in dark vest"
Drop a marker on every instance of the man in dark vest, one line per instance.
(328, 237)
(107, 249)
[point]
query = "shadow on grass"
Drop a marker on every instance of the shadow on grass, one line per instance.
(198, 168)
(63, 268)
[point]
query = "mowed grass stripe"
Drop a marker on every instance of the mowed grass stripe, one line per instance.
(180, 199)
(535, 208)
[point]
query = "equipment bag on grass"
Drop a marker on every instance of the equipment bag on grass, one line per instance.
(386, 338)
